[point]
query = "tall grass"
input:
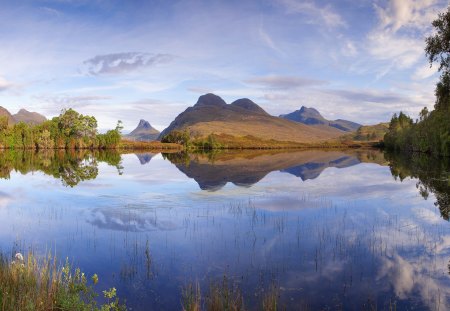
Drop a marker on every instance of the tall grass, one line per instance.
(38, 285)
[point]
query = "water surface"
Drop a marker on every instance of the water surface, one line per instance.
(330, 229)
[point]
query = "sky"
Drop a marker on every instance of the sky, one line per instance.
(360, 60)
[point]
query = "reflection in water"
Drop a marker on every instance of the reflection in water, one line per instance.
(245, 168)
(365, 242)
(433, 176)
(71, 167)
(145, 158)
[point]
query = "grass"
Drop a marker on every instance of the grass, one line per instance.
(150, 145)
(41, 285)
(225, 141)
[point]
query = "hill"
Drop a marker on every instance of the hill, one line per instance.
(311, 116)
(143, 132)
(243, 118)
(25, 116)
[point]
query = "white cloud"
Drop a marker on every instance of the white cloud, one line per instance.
(397, 42)
(423, 72)
(315, 13)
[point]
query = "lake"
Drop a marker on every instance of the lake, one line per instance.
(327, 230)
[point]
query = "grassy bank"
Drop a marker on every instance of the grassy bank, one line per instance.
(27, 283)
(150, 145)
(225, 141)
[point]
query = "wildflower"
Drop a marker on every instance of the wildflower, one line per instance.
(19, 256)
(13, 263)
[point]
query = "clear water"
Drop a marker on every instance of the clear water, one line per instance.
(330, 230)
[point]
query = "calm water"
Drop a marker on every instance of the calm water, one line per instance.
(332, 230)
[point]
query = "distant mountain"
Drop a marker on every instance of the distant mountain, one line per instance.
(211, 114)
(311, 116)
(143, 132)
(32, 118)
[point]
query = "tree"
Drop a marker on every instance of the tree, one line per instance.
(438, 50)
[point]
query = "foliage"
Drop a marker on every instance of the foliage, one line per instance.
(70, 130)
(178, 137)
(41, 286)
(430, 134)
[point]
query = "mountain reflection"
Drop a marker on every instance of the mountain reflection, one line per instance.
(245, 168)
(145, 158)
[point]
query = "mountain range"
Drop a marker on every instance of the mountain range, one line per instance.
(211, 114)
(240, 119)
(32, 118)
(143, 132)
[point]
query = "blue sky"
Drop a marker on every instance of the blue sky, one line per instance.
(354, 59)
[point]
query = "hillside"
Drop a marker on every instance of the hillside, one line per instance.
(211, 114)
(311, 116)
(143, 132)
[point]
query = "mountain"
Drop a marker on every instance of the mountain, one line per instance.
(143, 132)
(244, 118)
(311, 116)
(32, 118)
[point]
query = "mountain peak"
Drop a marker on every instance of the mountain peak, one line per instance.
(144, 124)
(210, 99)
(247, 104)
(143, 132)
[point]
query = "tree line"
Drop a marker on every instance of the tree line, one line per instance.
(70, 130)
(431, 132)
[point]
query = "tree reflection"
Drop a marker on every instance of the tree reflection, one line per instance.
(71, 167)
(433, 176)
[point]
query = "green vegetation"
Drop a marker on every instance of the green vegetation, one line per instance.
(431, 133)
(70, 130)
(225, 141)
(30, 284)
(370, 133)
(147, 145)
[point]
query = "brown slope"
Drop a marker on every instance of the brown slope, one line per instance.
(242, 118)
